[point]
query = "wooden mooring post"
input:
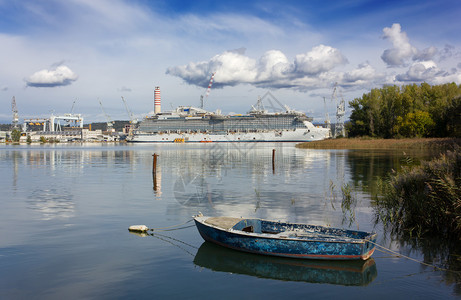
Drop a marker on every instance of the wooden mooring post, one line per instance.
(273, 161)
(154, 170)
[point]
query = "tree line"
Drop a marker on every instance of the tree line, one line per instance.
(407, 111)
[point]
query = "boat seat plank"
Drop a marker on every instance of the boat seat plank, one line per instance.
(223, 222)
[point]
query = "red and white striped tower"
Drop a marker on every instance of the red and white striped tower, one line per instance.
(157, 100)
(209, 85)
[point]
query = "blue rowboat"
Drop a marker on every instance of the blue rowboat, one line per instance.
(286, 239)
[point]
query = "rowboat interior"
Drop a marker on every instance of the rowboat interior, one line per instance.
(284, 230)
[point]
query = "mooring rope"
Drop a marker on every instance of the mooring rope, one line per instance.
(409, 258)
(172, 238)
(167, 239)
(172, 226)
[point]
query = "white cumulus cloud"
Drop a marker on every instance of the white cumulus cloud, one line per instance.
(322, 66)
(422, 71)
(425, 66)
(402, 49)
(426, 54)
(363, 74)
(320, 59)
(428, 71)
(59, 76)
(271, 70)
(273, 65)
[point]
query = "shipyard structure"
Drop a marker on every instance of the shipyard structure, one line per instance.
(72, 130)
(51, 130)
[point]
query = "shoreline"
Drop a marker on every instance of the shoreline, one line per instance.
(379, 144)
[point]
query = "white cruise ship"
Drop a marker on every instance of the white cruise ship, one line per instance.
(192, 124)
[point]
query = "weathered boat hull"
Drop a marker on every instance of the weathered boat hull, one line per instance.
(324, 242)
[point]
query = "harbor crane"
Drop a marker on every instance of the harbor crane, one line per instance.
(133, 120)
(72, 109)
(109, 123)
(14, 109)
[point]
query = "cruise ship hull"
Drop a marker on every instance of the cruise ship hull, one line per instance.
(297, 135)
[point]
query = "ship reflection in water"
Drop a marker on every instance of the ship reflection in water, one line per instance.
(221, 259)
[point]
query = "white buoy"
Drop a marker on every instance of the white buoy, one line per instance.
(138, 228)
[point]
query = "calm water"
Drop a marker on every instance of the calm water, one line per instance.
(65, 210)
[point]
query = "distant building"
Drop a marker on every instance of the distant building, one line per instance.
(72, 135)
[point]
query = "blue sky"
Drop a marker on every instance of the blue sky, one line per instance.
(53, 53)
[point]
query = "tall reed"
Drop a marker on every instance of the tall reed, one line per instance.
(424, 200)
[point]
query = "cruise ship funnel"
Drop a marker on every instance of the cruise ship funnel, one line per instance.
(157, 100)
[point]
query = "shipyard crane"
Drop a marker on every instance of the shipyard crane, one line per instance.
(207, 91)
(327, 116)
(71, 112)
(72, 109)
(133, 120)
(109, 123)
(14, 109)
(340, 112)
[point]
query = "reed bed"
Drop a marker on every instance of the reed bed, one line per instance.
(370, 143)
(424, 200)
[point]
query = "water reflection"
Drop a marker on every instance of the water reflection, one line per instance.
(368, 170)
(438, 255)
(217, 258)
(48, 175)
(101, 190)
(368, 167)
(52, 203)
(239, 179)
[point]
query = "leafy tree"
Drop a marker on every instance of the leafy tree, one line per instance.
(359, 120)
(408, 111)
(417, 124)
(390, 107)
(453, 118)
(15, 135)
(442, 107)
